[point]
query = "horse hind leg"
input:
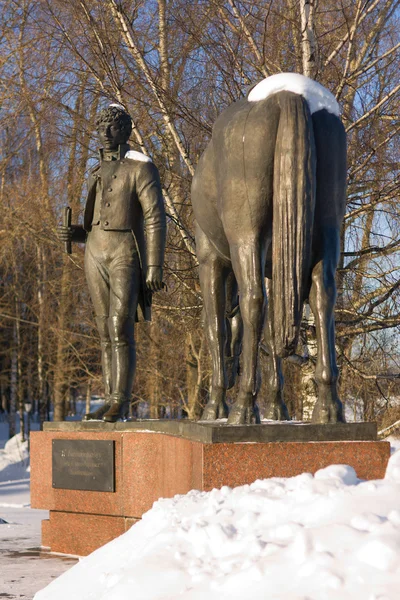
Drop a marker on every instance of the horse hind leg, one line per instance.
(276, 409)
(248, 268)
(330, 141)
(213, 272)
(328, 408)
(234, 325)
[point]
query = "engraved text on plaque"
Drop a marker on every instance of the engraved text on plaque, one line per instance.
(84, 465)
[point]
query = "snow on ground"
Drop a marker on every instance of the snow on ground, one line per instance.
(323, 537)
(24, 569)
(394, 443)
(14, 459)
(317, 95)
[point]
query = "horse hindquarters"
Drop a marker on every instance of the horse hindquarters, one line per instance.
(291, 218)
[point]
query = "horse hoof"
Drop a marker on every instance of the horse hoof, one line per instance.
(323, 414)
(223, 410)
(237, 416)
(244, 416)
(339, 412)
(320, 414)
(320, 419)
(277, 412)
(245, 411)
(253, 416)
(209, 413)
(214, 412)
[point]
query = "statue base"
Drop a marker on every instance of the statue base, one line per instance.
(95, 492)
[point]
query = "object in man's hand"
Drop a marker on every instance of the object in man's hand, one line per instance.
(67, 217)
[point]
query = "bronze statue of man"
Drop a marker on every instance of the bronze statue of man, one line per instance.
(122, 268)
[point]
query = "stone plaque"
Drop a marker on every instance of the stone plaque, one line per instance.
(84, 465)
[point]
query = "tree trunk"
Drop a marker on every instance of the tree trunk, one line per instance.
(42, 400)
(88, 396)
(13, 384)
(154, 377)
(194, 377)
(309, 42)
(20, 394)
(60, 369)
(3, 397)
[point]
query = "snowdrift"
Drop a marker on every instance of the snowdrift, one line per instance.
(322, 537)
(14, 460)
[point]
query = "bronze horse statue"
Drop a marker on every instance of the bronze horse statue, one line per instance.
(268, 196)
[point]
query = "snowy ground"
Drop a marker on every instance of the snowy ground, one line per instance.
(24, 569)
(323, 537)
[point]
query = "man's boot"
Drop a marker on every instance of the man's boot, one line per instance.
(102, 327)
(119, 409)
(97, 415)
(121, 330)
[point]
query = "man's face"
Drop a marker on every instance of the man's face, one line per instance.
(111, 135)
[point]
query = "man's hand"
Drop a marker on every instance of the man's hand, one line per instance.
(75, 233)
(154, 280)
(65, 234)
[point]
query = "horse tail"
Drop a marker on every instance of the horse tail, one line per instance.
(293, 216)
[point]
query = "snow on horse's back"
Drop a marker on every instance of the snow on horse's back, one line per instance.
(317, 96)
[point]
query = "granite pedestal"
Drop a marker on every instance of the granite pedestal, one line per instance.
(155, 459)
